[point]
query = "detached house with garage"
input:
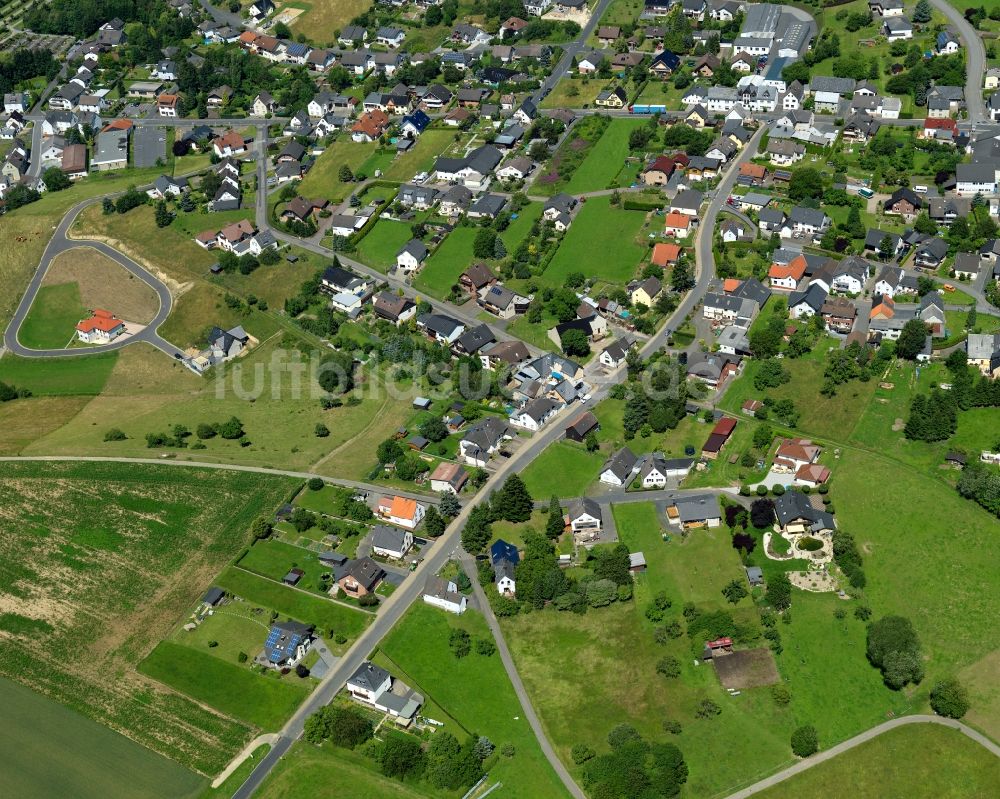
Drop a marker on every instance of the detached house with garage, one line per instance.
(584, 518)
(482, 440)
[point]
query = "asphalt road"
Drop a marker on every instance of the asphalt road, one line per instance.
(975, 61)
(571, 50)
(704, 259)
(58, 244)
(857, 740)
(467, 314)
(228, 467)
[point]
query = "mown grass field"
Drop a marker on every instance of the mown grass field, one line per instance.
(827, 417)
(102, 283)
(473, 690)
(62, 753)
(601, 243)
(296, 604)
(148, 393)
(99, 562)
(564, 469)
(256, 699)
(51, 322)
(59, 377)
(323, 17)
(919, 762)
(336, 773)
(606, 159)
(323, 180)
(380, 245)
(449, 260)
(420, 158)
(823, 665)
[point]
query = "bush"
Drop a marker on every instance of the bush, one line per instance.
(368, 600)
(485, 646)
(672, 726)
(315, 484)
(778, 490)
(114, 434)
(205, 431)
(581, 753)
(805, 741)
(321, 431)
(242, 657)
(781, 695)
(949, 699)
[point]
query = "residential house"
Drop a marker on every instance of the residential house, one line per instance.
(619, 468)
(983, 352)
(504, 558)
(585, 519)
(395, 309)
(482, 440)
(402, 511)
(444, 594)
(101, 327)
(646, 292)
(359, 577)
(449, 478)
(412, 256)
(287, 644)
(930, 253)
(692, 512)
(839, 314)
(796, 514)
(582, 426)
(535, 414)
(502, 302)
(390, 542)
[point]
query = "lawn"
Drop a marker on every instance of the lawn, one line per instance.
(382, 242)
(149, 393)
(602, 243)
(299, 605)
(334, 773)
(420, 158)
(99, 561)
(606, 159)
(449, 260)
(323, 179)
(57, 377)
(256, 699)
(474, 691)
(919, 762)
(51, 322)
(564, 469)
(62, 753)
(274, 559)
(574, 92)
(826, 417)
(102, 283)
(323, 17)
(577, 145)
(951, 534)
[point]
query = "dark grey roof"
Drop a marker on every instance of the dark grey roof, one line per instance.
(471, 341)
(486, 433)
(440, 324)
(814, 296)
(385, 537)
(753, 289)
(697, 508)
(794, 505)
(621, 464)
(369, 676)
(584, 505)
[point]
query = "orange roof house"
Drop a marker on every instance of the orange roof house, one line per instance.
(666, 253)
(790, 273)
(755, 171)
(812, 473)
(402, 511)
(730, 284)
(677, 223)
(247, 38)
(118, 124)
(886, 309)
(101, 326)
(371, 124)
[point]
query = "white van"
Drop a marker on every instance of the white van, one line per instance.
(920, 189)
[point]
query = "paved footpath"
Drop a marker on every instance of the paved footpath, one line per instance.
(522, 695)
(857, 740)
